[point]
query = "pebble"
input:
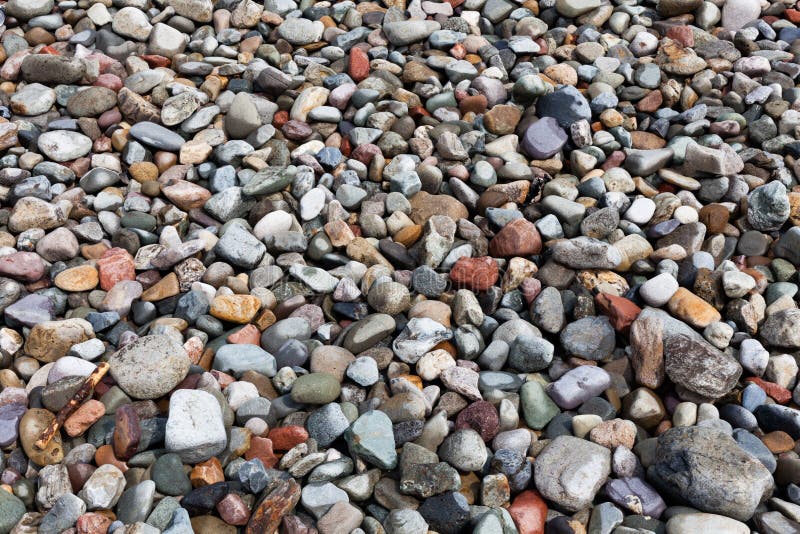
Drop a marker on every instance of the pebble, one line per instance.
(570, 471)
(195, 429)
(731, 491)
(149, 367)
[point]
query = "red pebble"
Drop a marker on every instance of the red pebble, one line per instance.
(127, 432)
(285, 437)
(111, 81)
(776, 391)
(157, 61)
(481, 417)
(620, 311)
(518, 238)
(261, 448)
(366, 153)
(115, 265)
(92, 523)
(358, 68)
(148, 278)
(682, 34)
(249, 335)
(418, 111)
(477, 274)
(280, 118)
(529, 512)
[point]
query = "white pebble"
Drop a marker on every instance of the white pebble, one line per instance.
(686, 214)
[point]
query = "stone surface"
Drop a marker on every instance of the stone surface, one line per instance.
(195, 428)
(570, 471)
(149, 367)
(733, 488)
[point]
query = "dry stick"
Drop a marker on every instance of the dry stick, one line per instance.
(81, 395)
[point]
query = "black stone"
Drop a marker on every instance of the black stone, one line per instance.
(447, 513)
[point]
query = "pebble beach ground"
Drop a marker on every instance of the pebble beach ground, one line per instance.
(399, 266)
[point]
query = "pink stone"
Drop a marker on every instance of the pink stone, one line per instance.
(340, 96)
(26, 266)
(233, 510)
(110, 81)
(366, 153)
(530, 287)
(115, 265)
(109, 118)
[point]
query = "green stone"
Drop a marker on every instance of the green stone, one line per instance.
(537, 407)
(162, 514)
(269, 180)
(350, 411)
(783, 269)
(169, 476)
(140, 220)
(316, 388)
(11, 511)
(372, 438)
(114, 398)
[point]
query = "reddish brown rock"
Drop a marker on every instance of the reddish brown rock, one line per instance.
(286, 437)
(127, 432)
(115, 265)
(79, 474)
(683, 34)
(529, 512)
(366, 153)
(715, 217)
(233, 510)
(269, 512)
(776, 391)
(619, 310)
(249, 335)
(292, 524)
(359, 64)
(481, 417)
(778, 441)
(207, 473)
(477, 274)
(261, 448)
(92, 523)
(85, 416)
(651, 102)
(474, 104)
(105, 455)
(518, 238)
